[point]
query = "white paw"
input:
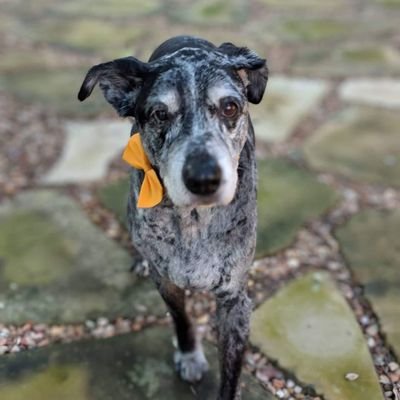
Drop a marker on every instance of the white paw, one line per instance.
(191, 366)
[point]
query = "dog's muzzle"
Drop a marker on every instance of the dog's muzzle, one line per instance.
(201, 174)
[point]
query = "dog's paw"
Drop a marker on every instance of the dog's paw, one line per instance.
(191, 366)
(140, 267)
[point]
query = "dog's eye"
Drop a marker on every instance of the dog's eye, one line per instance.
(161, 115)
(230, 109)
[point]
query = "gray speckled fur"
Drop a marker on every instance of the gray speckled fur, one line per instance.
(192, 241)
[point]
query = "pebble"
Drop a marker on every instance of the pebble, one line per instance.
(393, 366)
(372, 330)
(298, 389)
(352, 376)
(384, 379)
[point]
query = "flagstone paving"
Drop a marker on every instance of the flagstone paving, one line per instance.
(109, 39)
(359, 143)
(287, 101)
(334, 76)
(373, 92)
(309, 328)
(90, 146)
(377, 266)
(57, 267)
(288, 197)
(53, 89)
(135, 366)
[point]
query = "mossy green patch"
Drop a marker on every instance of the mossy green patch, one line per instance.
(377, 267)
(287, 198)
(365, 54)
(135, 366)
(307, 324)
(316, 30)
(208, 12)
(359, 143)
(56, 267)
(54, 89)
(114, 196)
(105, 8)
(106, 37)
(34, 249)
(56, 382)
(305, 5)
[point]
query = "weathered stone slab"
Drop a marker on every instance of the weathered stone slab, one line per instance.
(373, 92)
(89, 147)
(105, 8)
(359, 143)
(351, 59)
(287, 198)
(208, 12)
(305, 5)
(286, 102)
(114, 196)
(376, 266)
(108, 38)
(315, 30)
(310, 330)
(56, 266)
(136, 366)
(54, 89)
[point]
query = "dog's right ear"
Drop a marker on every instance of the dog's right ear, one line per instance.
(120, 81)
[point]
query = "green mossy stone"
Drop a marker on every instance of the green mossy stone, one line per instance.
(359, 143)
(316, 30)
(109, 9)
(135, 366)
(108, 38)
(287, 198)
(305, 5)
(25, 261)
(56, 267)
(53, 89)
(310, 330)
(114, 196)
(376, 266)
(118, 9)
(352, 59)
(209, 12)
(365, 54)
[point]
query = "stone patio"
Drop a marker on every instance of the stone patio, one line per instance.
(327, 287)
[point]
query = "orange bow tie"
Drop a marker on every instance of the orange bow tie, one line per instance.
(151, 192)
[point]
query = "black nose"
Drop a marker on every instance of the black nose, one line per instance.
(201, 174)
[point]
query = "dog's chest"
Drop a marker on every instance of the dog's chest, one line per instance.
(197, 248)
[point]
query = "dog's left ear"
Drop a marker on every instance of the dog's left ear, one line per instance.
(251, 68)
(120, 81)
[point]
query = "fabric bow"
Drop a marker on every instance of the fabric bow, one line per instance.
(151, 191)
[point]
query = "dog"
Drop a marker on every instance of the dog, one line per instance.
(190, 104)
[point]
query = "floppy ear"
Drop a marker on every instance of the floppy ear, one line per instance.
(251, 68)
(120, 81)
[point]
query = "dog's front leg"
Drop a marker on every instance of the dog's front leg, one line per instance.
(233, 312)
(189, 360)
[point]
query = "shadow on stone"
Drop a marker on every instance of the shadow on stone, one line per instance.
(135, 366)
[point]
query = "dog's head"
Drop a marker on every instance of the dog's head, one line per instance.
(190, 103)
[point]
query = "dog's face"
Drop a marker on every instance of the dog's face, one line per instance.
(191, 107)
